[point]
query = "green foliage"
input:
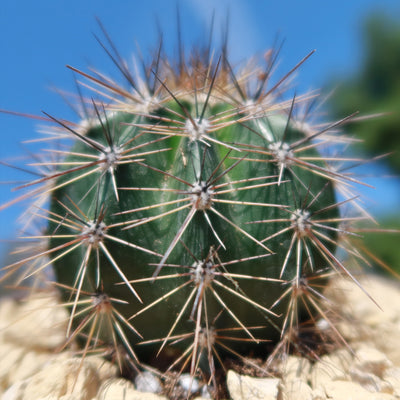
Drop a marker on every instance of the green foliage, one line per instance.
(384, 247)
(376, 89)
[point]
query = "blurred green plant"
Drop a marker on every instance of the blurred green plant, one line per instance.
(376, 90)
(383, 249)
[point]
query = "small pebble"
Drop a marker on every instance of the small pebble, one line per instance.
(371, 360)
(205, 392)
(189, 383)
(148, 382)
(243, 387)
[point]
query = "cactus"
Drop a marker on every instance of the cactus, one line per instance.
(194, 215)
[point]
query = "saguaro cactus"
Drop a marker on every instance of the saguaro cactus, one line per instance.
(193, 214)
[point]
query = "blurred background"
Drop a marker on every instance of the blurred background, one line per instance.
(357, 62)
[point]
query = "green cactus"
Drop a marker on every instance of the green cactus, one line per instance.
(192, 216)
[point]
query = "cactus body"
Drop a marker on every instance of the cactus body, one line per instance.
(192, 209)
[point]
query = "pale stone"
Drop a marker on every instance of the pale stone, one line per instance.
(354, 332)
(31, 363)
(370, 381)
(8, 309)
(10, 356)
(392, 376)
(393, 372)
(318, 394)
(113, 389)
(40, 323)
(71, 377)
(342, 358)
(340, 390)
(331, 367)
(381, 396)
(294, 368)
(386, 339)
(343, 390)
(248, 388)
(15, 391)
(296, 390)
(52, 397)
(383, 291)
(104, 369)
(369, 359)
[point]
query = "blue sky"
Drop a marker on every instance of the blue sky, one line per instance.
(38, 38)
